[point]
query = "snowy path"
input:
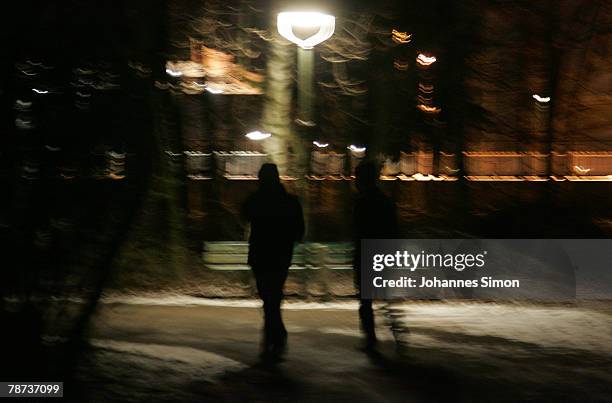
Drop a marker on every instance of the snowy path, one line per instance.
(205, 350)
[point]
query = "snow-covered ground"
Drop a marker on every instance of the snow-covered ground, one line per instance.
(179, 348)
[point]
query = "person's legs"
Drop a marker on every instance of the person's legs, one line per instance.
(263, 289)
(270, 283)
(366, 314)
(278, 330)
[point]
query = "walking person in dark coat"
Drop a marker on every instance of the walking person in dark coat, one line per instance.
(374, 217)
(276, 224)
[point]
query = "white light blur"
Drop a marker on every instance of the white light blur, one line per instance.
(40, 91)
(22, 105)
(541, 99)
(425, 60)
(420, 177)
(356, 149)
(581, 170)
(257, 135)
(320, 145)
(213, 90)
(174, 73)
(286, 21)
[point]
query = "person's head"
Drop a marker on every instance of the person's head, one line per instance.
(366, 175)
(268, 176)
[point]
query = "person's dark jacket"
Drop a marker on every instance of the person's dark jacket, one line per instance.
(276, 224)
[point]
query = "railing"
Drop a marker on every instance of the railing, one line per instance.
(232, 256)
(478, 165)
(419, 166)
(573, 165)
(239, 164)
(505, 164)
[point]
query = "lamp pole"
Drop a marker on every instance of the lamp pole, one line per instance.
(306, 29)
(305, 73)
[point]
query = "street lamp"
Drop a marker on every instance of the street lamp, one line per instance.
(306, 29)
(320, 27)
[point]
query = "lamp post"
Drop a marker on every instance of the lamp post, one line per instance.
(306, 29)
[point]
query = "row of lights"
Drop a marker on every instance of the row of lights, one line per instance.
(258, 135)
(354, 148)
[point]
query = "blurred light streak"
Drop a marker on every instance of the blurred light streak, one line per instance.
(401, 65)
(450, 170)
(257, 135)
(30, 171)
(541, 99)
(320, 145)
(40, 91)
(174, 73)
(425, 60)
(401, 37)
(581, 170)
(28, 74)
(356, 149)
(213, 90)
(428, 109)
(306, 123)
(192, 87)
(24, 123)
(140, 68)
(424, 100)
(22, 105)
(420, 177)
(116, 165)
(426, 88)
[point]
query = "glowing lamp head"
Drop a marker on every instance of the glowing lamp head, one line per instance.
(257, 135)
(305, 28)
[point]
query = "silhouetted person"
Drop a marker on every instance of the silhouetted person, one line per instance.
(374, 217)
(276, 224)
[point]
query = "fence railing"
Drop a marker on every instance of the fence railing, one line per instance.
(232, 256)
(416, 165)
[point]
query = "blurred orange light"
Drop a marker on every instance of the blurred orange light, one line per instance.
(401, 37)
(428, 109)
